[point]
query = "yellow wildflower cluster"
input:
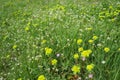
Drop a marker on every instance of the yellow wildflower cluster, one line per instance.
(106, 49)
(95, 37)
(14, 46)
(86, 53)
(54, 62)
(48, 51)
(75, 69)
(90, 67)
(110, 13)
(27, 28)
(79, 41)
(91, 41)
(41, 77)
(76, 56)
(80, 49)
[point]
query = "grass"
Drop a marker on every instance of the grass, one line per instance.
(28, 27)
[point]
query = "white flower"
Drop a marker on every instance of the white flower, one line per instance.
(103, 62)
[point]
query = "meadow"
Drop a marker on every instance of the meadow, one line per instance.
(59, 40)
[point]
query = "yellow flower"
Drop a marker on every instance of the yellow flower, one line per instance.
(76, 56)
(90, 67)
(14, 46)
(41, 77)
(79, 41)
(48, 51)
(95, 38)
(27, 28)
(54, 62)
(89, 51)
(86, 53)
(43, 41)
(75, 69)
(91, 41)
(106, 49)
(80, 49)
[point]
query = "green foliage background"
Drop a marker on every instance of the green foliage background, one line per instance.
(60, 23)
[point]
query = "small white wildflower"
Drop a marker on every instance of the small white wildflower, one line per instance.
(103, 62)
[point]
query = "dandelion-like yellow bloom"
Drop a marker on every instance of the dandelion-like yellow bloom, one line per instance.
(80, 49)
(14, 46)
(90, 67)
(106, 49)
(79, 41)
(54, 62)
(95, 38)
(86, 53)
(89, 51)
(41, 77)
(91, 41)
(27, 28)
(75, 69)
(48, 51)
(76, 56)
